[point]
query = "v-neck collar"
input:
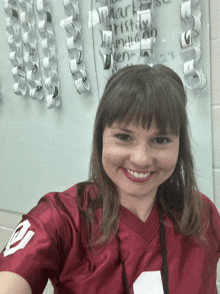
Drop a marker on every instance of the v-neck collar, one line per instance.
(146, 230)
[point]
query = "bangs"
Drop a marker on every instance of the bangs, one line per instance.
(140, 97)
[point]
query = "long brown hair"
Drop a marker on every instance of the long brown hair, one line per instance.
(140, 93)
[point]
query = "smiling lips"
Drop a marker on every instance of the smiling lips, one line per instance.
(137, 177)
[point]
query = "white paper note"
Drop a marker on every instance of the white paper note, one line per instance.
(149, 282)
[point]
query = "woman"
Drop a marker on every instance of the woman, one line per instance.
(139, 225)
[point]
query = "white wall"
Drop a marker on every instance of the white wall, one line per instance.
(64, 122)
(215, 75)
(44, 149)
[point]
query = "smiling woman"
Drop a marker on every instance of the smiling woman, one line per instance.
(138, 161)
(152, 100)
(138, 225)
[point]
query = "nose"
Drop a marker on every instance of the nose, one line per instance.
(142, 157)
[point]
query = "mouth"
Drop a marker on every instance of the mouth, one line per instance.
(137, 176)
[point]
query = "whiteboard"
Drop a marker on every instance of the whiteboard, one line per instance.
(45, 150)
(166, 29)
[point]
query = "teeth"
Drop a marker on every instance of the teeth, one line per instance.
(138, 175)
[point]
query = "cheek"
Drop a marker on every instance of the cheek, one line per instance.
(109, 158)
(112, 157)
(169, 160)
(105, 160)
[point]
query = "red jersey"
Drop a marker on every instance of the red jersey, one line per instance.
(51, 242)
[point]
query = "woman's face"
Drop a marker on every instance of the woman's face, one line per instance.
(138, 160)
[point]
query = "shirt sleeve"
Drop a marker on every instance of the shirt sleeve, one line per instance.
(213, 219)
(35, 250)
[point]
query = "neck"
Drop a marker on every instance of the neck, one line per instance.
(141, 207)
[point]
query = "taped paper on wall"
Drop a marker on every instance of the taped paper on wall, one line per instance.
(93, 18)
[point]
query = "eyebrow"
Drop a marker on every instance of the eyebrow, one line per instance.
(125, 130)
(156, 133)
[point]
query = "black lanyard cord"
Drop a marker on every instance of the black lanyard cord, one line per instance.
(164, 256)
(164, 252)
(123, 268)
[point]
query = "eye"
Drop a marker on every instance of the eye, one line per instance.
(123, 137)
(162, 140)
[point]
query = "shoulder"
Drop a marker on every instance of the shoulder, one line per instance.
(208, 203)
(63, 202)
(209, 210)
(42, 241)
(55, 204)
(206, 200)
(61, 208)
(56, 208)
(210, 217)
(60, 200)
(55, 218)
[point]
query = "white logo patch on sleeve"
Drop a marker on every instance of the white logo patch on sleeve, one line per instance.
(19, 236)
(149, 282)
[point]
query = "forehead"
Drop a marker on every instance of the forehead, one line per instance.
(133, 126)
